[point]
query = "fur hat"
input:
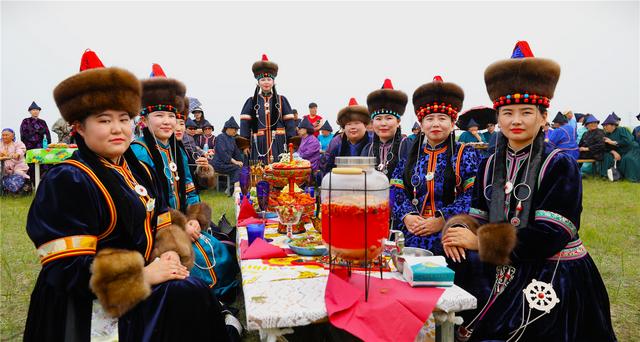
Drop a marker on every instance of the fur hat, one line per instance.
(264, 68)
(496, 241)
(205, 175)
(242, 142)
(387, 101)
(117, 280)
(183, 114)
(353, 112)
(96, 89)
(438, 97)
(522, 79)
(160, 93)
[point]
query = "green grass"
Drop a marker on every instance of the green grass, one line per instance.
(609, 229)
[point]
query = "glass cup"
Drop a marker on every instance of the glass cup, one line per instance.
(254, 231)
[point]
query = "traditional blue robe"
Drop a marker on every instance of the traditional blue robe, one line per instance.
(268, 133)
(550, 240)
(430, 193)
(141, 151)
(71, 202)
(467, 137)
(564, 138)
(226, 149)
(324, 141)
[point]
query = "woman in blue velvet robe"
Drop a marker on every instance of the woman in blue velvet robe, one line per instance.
(525, 262)
(94, 220)
(266, 118)
(434, 182)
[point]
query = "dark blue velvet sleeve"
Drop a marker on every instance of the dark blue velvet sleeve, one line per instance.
(479, 208)
(245, 124)
(558, 205)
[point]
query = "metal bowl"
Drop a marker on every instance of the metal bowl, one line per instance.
(398, 258)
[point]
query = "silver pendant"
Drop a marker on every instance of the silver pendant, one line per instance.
(141, 190)
(173, 167)
(515, 221)
(151, 204)
(430, 176)
(177, 178)
(385, 171)
(508, 187)
(414, 202)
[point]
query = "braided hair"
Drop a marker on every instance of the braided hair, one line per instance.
(449, 185)
(150, 141)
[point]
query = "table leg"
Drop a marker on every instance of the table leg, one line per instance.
(37, 182)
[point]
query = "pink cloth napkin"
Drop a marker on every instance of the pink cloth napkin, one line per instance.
(251, 220)
(395, 311)
(246, 210)
(260, 249)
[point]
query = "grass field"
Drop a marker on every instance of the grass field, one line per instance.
(610, 229)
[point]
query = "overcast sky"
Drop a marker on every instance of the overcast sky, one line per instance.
(327, 52)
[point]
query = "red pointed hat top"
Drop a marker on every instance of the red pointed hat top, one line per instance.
(90, 61)
(437, 78)
(156, 71)
(522, 50)
(353, 102)
(387, 84)
(264, 58)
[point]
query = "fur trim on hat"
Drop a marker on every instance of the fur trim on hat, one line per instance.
(262, 67)
(96, 90)
(242, 142)
(496, 241)
(117, 280)
(447, 92)
(174, 238)
(353, 113)
(534, 75)
(200, 212)
(389, 99)
(205, 175)
(163, 91)
(461, 220)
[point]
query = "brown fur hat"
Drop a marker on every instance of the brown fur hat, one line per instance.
(206, 176)
(264, 66)
(200, 212)
(174, 238)
(242, 142)
(117, 280)
(183, 113)
(163, 91)
(96, 90)
(461, 220)
(353, 112)
(496, 241)
(438, 92)
(387, 99)
(521, 74)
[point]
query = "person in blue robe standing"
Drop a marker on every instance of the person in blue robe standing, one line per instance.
(267, 119)
(563, 136)
(434, 182)
(228, 157)
(162, 101)
(525, 263)
(94, 222)
(353, 120)
(386, 107)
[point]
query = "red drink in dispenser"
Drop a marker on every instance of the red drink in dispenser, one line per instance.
(343, 216)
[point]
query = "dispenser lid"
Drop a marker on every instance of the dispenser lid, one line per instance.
(355, 161)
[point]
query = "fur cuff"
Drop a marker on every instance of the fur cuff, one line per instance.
(496, 241)
(174, 238)
(118, 281)
(200, 212)
(461, 220)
